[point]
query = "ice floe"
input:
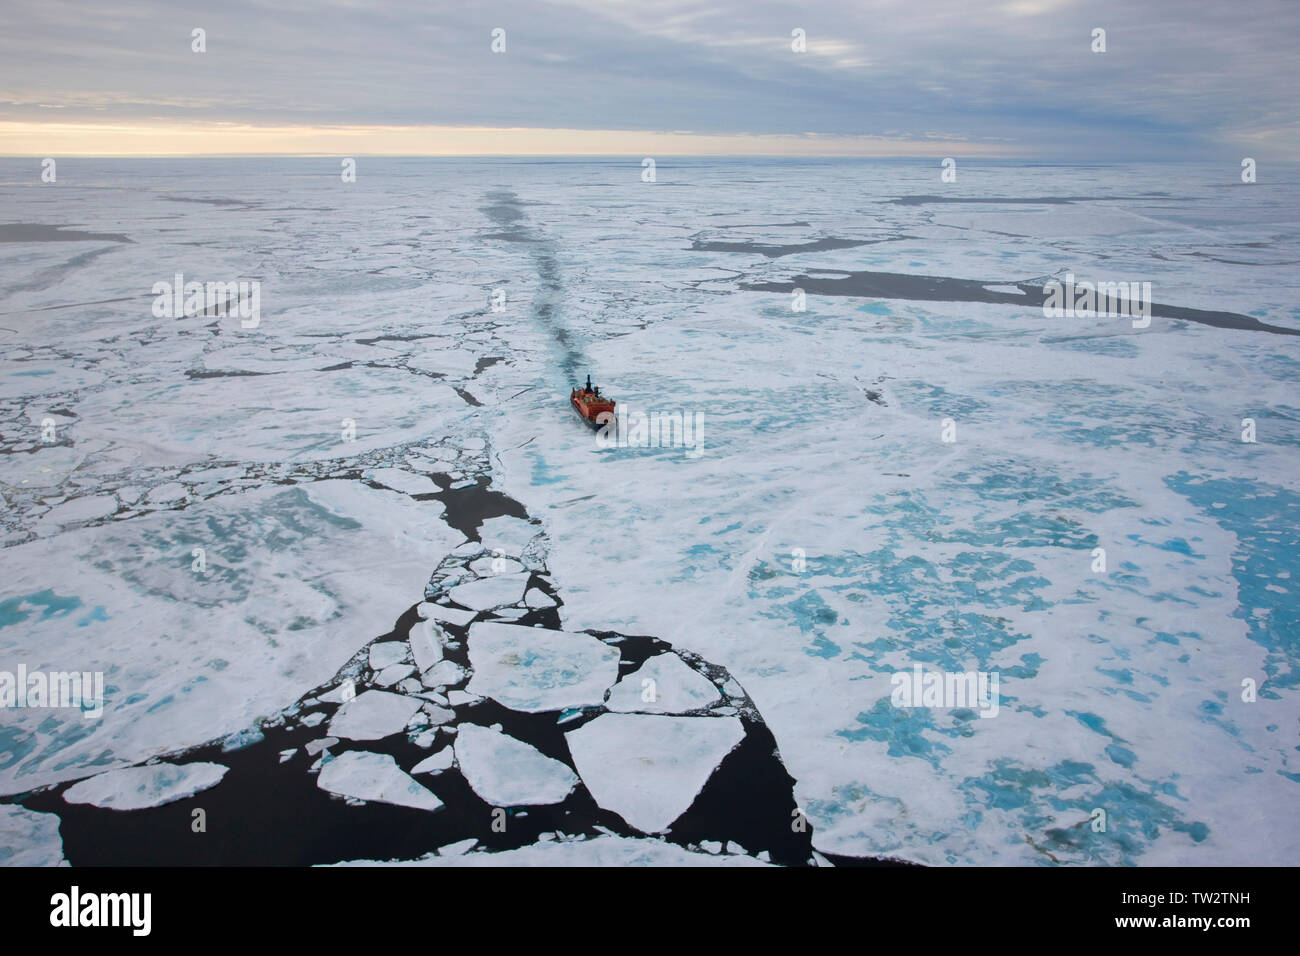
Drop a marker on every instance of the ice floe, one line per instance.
(373, 715)
(436, 763)
(487, 593)
(28, 838)
(664, 684)
(648, 768)
(386, 654)
(376, 778)
(403, 481)
(537, 669)
(135, 788)
(506, 772)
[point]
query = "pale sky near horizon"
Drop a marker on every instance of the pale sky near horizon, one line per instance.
(1178, 79)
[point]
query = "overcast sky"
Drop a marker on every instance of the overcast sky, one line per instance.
(1179, 78)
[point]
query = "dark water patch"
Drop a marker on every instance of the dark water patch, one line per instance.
(469, 399)
(916, 288)
(468, 507)
(39, 232)
(486, 362)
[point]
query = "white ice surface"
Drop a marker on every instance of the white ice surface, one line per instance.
(611, 851)
(376, 778)
(487, 593)
(28, 838)
(675, 688)
(648, 768)
(509, 773)
(373, 715)
(436, 763)
(134, 788)
(289, 595)
(537, 669)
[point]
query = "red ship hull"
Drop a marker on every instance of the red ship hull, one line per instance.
(592, 408)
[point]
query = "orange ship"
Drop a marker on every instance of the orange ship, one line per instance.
(595, 409)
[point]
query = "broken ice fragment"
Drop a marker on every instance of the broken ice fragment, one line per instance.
(487, 593)
(374, 777)
(394, 673)
(506, 772)
(386, 654)
(649, 768)
(536, 670)
(136, 788)
(373, 715)
(436, 763)
(664, 684)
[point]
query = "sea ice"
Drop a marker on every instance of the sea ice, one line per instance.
(373, 715)
(536, 669)
(393, 674)
(376, 778)
(648, 768)
(402, 481)
(487, 593)
(448, 615)
(135, 788)
(443, 674)
(386, 654)
(673, 688)
(78, 509)
(424, 644)
(536, 598)
(507, 772)
(436, 763)
(28, 838)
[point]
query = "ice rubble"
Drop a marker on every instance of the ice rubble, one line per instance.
(538, 669)
(135, 788)
(506, 772)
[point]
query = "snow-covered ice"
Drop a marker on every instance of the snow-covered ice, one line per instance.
(28, 838)
(487, 593)
(506, 772)
(662, 685)
(134, 788)
(374, 777)
(373, 715)
(537, 669)
(649, 769)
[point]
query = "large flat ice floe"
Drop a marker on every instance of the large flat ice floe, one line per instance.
(135, 788)
(649, 768)
(536, 669)
(509, 773)
(374, 777)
